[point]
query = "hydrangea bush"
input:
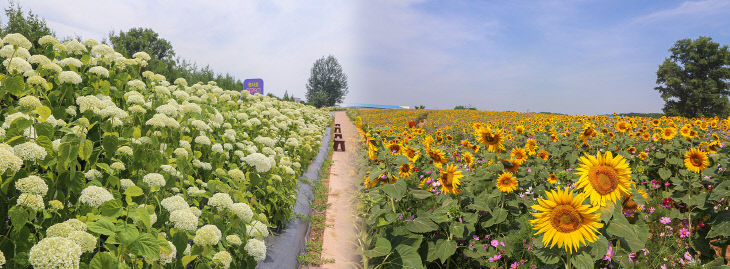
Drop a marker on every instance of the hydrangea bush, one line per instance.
(106, 165)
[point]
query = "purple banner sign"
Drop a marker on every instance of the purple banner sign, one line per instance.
(254, 85)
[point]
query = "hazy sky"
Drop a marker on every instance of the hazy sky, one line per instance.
(578, 57)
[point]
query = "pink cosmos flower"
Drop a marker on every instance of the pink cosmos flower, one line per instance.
(683, 233)
(665, 220)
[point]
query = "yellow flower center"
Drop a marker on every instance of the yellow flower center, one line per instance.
(604, 179)
(566, 219)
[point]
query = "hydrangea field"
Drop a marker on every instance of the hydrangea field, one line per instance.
(106, 165)
(482, 189)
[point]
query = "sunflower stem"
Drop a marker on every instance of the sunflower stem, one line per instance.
(568, 258)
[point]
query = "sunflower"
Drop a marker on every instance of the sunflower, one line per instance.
(686, 130)
(437, 156)
(668, 133)
(531, 146)
(631, 150)
(511, 165)
(519, 155)
(394, 147)
(520, 129)
(713, 146)
(372, 152)
(696, 160)
(474, 148)
(623, 126)
(543, 154)
(552, 178)
(628, 202)
(405, 170)
(469, 159)
(604, 178)
(506, 182)
(370, 183)
(565, 220)
(646, 136)
(492, 138)
(411, 153)
(588, 132)
(449, 179)
(643, 155)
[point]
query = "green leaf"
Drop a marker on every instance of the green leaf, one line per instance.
(446, 249)
(720, 191)
(86, 149)
(407, 257)
(19, 216)
(582, 261)
(382, 248)
(599, 248)
(421, 225)
(133, 191)
(145, 245)
(43, 112)
(187, 259)
(396, 190)
(15, 85)
(127, 234)
(421, 194)
(44, 129)
(110, 144)
(111, 208)
(457, 230)
(721, 225)
(180, 241)
(547, 255)
(499, 215)
(634, 235)
(664, 173)
(102, 226)
(103, 260)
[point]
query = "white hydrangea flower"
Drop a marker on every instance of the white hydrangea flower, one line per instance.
(195, 191)
(256, 248)
(221, 201)
(70, 61)
(119, 166)
(184, 144)
(174, 203)
(30, 151)
(94, 196)
(180, 153)
(203, 140)
(17, 39)
(91, 42)
(18, 65)
(126, 150)
(93, 174)
(142, 55)
(55, 253)
(102, 50)
(76, 224)
(47, 39)
(75, 47)
(33, 201)
(207, 235)
(184, 219)
(59, 229)
(260, 161)
(136, 85)
(234, 240)
(223, 258)
(162, 120)
(85, 240)
(71, 111)
(154, 179)
(217, 148)
(39, 59)
(126, 183)
(257, 229)
(32, 184)
(69, 77)
(8, 160)
(237, 174)
(99, 71)
(137, 109)
(30, 102)
(243, 211)
(37, 80)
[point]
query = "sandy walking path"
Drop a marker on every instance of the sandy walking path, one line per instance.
(340, 241)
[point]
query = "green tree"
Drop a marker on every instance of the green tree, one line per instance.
(31, 26)
(693, 81)
(327, 84)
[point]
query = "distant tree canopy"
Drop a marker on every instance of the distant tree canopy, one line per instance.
(694, 80)
(164, 60)
(31, 26)
(327, 84)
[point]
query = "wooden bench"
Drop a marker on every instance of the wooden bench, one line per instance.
(337, 128)
(339, 142)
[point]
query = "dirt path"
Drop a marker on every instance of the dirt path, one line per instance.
(340, 235)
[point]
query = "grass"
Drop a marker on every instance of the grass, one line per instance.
(313, 247)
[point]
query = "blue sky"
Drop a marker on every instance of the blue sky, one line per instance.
(577, 57)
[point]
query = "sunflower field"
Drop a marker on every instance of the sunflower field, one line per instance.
(106, 165)
(483, 189)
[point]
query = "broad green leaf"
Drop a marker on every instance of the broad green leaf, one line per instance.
(395, 190)
(145, 245)
(103, 260)
(43, 112)
(110, 144)
(599, 248)
(19, 216)
(499, 215)
(420, 194)
(457, 230)
(44, 129)
(15, 85)
(111, 208)
(446, 249)
(102, 226)
(381, 248)
(87, 147)
(133, 191)
(188, 259)
(582, 261)
(407, 257)
(421, 225)
(664, 173)
(127, 234)
(180, 241)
